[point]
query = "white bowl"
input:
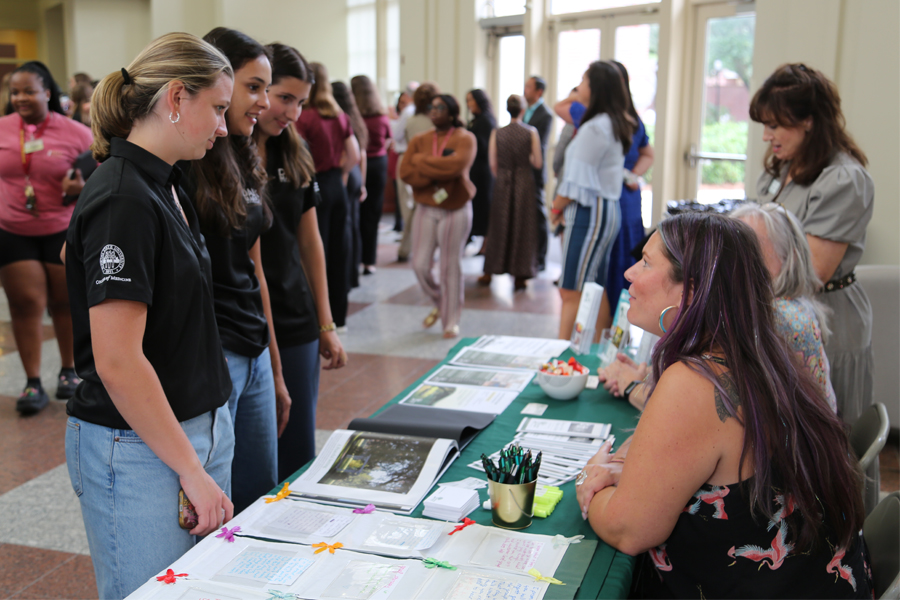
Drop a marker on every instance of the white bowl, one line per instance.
(562, 387)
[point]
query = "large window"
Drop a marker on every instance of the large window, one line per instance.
(362, 55)
(562, 7)
(512, 73)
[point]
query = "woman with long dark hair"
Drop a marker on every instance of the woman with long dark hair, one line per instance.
(150, 419)
(293, 257)
(638, 160)
(815, 170)
(739, 480)
(38, 145)
(587, 200)
(354, 175)
(326, 128)
(229, 191)
(437, 165)
(378, 127)
(482, 125)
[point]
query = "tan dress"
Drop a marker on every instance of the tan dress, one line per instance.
(512, 240)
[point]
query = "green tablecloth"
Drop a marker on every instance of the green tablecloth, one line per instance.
(609, 574)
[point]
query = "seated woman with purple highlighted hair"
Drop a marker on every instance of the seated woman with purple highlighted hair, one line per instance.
(738, 480)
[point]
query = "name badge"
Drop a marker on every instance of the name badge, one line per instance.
(774, 186)
(34, 146)
(440, 195)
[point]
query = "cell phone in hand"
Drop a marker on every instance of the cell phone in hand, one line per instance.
(187, 515)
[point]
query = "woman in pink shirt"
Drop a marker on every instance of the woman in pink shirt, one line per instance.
(38, 146)
(380, 137)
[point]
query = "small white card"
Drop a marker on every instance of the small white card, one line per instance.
(593, 382)
(469, 483)
(537, 409)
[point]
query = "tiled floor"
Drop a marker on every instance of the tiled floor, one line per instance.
(43, 547)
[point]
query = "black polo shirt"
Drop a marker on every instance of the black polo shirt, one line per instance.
(293, 304)
(128, 241)
(239, 308)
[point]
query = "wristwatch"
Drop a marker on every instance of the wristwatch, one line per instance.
(630, 387)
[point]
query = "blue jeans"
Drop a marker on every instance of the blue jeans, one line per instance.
(254, 471)
(129, 497)
(297, 444)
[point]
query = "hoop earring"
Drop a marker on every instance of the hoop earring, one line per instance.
(176, 119)
(662, 316)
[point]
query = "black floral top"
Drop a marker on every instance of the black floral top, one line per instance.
(718, 550)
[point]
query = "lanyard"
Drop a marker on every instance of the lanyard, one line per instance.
(434, 145)
(26, 156)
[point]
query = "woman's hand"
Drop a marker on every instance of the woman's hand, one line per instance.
(332, 350)
(72, 185)
(282, 404)
(557, 218)
(599, 473)
(212, 506)
(620, 373)
(363, 194)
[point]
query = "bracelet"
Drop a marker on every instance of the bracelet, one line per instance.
(326, 328)
(618, 460)
(556, 211)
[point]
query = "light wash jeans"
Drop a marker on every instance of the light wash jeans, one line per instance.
(129, 497)
(254, 471)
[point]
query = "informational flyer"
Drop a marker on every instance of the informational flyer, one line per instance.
(478, 377)
(475, 357)
(524, 346)
(459, 397)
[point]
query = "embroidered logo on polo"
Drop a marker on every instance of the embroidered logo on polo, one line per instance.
(282, 176)
(112, 259)
(251, 196)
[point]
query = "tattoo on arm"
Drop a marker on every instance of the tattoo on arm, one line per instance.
(727, 384)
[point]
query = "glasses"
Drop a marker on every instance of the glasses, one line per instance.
(438, 107)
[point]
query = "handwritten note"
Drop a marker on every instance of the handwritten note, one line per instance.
(403, 536)
(510, 553)
(300, 521)
(471, 586)
(361, 580)
(265, 567)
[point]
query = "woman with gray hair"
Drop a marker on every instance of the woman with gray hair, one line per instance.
(800, 317)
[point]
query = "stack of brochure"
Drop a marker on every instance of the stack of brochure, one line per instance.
(450, 503)
(566, 446)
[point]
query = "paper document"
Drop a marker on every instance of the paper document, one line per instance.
(570, 428)
(489, 378)
(456, 397)
(525, 346)
(475, 357)
(393, 472)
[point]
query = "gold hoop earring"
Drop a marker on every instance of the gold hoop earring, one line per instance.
(662, 316)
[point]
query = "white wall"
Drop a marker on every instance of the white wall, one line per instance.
(440, 41)
(106, 35)
(856, 44)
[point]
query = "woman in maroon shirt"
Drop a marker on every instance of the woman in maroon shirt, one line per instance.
(327, 130)
(379, 128)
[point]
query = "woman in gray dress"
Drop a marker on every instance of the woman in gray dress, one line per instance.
(814, 169)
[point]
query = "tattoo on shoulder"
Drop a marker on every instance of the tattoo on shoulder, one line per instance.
(727, 384)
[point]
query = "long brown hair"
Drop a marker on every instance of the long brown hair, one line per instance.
(345, 100)
(231, 168)
(792, 94)
(321, 96)
(296, 159)
(609, 95)
(366, 95)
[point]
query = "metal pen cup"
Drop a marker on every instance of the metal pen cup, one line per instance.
(512, 505)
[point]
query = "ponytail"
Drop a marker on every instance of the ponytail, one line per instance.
(118, 102)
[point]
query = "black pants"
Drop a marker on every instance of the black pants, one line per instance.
(354, 190)
(370, 211)
(543, 231)
(334, 227)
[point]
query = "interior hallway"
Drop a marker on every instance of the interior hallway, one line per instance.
(43, 547)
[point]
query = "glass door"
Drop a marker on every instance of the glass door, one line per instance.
(723, 60)
(510, 71)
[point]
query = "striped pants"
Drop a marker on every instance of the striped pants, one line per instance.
(448, 230)
(587, 242)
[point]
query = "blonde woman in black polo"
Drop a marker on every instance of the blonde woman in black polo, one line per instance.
(149, 418)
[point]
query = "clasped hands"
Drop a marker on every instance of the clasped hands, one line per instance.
(619, 374)
(598, 473)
